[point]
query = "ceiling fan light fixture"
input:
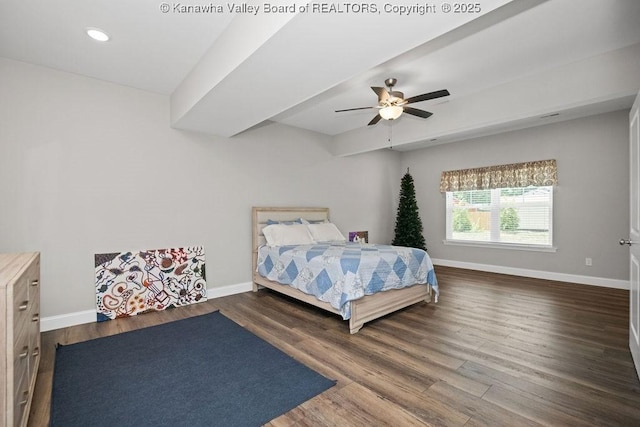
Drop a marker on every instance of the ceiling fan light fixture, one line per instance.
(392, 103)
(390, 112)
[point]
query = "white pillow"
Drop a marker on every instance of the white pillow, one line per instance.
(282, 234)
(326, 232)
(313, 221)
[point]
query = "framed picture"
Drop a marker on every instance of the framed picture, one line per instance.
(359, 236)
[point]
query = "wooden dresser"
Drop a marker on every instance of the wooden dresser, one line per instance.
(19, 335)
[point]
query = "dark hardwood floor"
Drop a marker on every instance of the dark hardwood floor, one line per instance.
(495, 350)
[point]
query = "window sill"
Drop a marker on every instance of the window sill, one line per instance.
(510, 246)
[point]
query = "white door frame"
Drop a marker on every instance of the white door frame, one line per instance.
(634, 233)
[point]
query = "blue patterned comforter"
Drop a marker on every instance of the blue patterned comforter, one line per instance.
(341, 272)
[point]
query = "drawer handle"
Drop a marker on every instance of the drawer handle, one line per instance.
(25, 397)
(35, 317)
(25, 352)
(24, 305)
(35, 282)
(36, 352)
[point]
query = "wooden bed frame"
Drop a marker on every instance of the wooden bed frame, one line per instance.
(364, 309)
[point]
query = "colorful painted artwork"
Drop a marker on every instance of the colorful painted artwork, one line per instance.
(131, 283)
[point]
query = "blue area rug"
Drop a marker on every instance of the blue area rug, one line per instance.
(202, 371)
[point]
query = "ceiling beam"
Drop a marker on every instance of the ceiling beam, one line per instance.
(239, 84)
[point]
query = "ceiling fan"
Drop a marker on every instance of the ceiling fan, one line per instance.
(392, 103)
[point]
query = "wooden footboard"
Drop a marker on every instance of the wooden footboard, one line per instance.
(363, 310)
(371, 307)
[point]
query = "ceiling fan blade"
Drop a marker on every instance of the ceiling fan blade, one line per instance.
(375, 120)
(427, 96)
(381, 92)
(353, 109)
(416, 112)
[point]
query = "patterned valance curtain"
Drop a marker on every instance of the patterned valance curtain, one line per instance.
(539, 173)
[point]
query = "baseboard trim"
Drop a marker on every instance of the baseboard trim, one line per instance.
(225, 291)
(536, 274)
(50, 323)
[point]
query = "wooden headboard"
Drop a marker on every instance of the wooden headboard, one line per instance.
(262, 214)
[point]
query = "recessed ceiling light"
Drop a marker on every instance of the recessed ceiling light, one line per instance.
(97, 34)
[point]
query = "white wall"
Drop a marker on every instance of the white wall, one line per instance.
(591, 202)
(89, 167)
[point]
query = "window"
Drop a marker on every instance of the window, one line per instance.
(504, 205)
(517, 216)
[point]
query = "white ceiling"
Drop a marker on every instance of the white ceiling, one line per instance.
(505, 66)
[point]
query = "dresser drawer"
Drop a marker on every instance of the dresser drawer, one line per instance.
(20, 402)
(21, 356)
(34, 345)
(32, 277)
(21, 303)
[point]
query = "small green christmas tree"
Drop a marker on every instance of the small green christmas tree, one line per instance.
(408, 231)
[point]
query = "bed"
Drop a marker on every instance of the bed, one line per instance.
(372, 305)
